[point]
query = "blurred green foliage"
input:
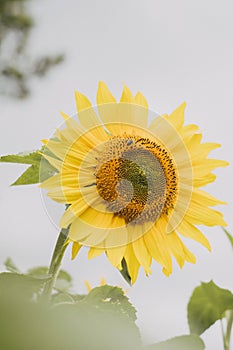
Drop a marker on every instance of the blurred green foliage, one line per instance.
(103, 319)
(16, 65)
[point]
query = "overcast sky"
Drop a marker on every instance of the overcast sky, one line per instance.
(172, 51)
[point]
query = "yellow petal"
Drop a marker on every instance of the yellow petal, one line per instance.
(206, 166)
(88, 117)
(64, 115)
(177, 116)
(188, 131)
(58, 148)
(141, 100)
(156, 243)
(203, 181)
(115, 255)
(60, 192)
(178, 250)
(94, 252)
(77, 209)
(126, 95)
(103, 281)
(140, 111)
(75, 249)
(132, 263)
(142, 254)
(102, 219)
(199, 196)
(82, 102)
(203, 150)
(88, 286)
(189, 257)
(91, 122)
(201, 215)
(73, 129)
(190, 231)
(51, 182)
(104, 95)
(108, 108)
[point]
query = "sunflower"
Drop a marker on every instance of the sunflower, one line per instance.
(132, 187)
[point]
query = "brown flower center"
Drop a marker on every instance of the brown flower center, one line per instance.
(137, 178)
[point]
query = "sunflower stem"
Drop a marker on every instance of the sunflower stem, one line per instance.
(55, 263)
(227, 337)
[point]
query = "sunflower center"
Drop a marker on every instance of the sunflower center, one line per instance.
(137, 179)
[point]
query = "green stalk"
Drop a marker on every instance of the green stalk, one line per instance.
(55, 264)
(227, 339)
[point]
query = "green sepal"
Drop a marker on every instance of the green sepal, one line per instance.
(124, 272)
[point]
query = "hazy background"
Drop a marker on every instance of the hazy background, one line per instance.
(169, 50)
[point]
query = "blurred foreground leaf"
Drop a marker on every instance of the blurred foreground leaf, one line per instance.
(208, 304)
(184, 342)
(27, 325)
(19, 285)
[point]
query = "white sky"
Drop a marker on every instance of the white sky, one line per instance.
(169, 50)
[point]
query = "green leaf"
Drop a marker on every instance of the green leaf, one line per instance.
(207, 304)
(111, 298)
(22, 158)
(229, 236)
(35, 173)
(184, 342)
(30, 176)
(10, 266)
